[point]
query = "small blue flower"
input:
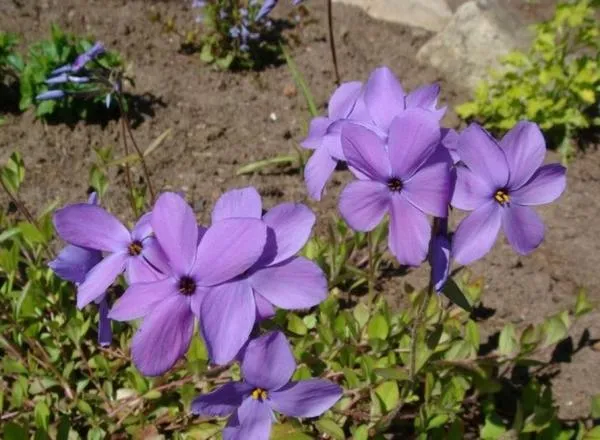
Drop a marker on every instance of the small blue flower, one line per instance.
(50, 95)
(234, 32)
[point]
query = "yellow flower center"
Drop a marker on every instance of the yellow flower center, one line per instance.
(502, 197)
(259, 394)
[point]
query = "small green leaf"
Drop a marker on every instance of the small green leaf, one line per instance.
(399, 374)
(41, 413)
(361, 433)
(296, 325)
(454, 294)
(261, 164)
(12, 431)
(378, 327)
(582, 306)
(493, 428)
(361, 314)
(331, 428)
(555, 330)
(596, 406)
(389, 394)
(508, 340)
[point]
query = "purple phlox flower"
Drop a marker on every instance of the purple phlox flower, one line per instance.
(244, 34)
(373, 105)
(73, 264)
(279, 278)
(91, 54)
(137, 253)
(267, 367)
(439, 254)
(500, 182)
(51, 94)
(408, 178)
(450, 142)
(198, 259)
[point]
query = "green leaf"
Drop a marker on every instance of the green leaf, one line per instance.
(361, 314)
(454, 294)
(596, 406)
(331, 428)
(593, 434)
(493, 427)
(472, 333)
(582, 305)
(84, 407)
(206, 54)
(389, 394)
(261, 164)
(300, 82)
(287, 431)
(296, 325)
(508, 340)
(361, 433)
(378, 327)
(13, 173)
(41, 414)
(555, 330)
(399, 374)
(12, 431)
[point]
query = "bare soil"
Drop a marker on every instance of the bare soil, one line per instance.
(222, 120)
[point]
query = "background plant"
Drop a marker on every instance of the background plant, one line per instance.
(47, 55)
(555, 83)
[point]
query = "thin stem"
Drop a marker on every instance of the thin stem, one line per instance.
(332, 41)
(371, 273)
(415, 330)
(128, 180)
(125, 117)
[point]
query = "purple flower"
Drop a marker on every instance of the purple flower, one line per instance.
(91, 54)
(51, 94)
(198, 259)
(73, 264)
(267, 367)
(279, 278)
(266, 9)
(198, 3)
(439, 255)
(374, 106)
(499, 183)
(92, 227)
(450, 142)
(409, 178)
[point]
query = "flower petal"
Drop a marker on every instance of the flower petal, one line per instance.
(92, 227)
(243, 202)
(470, 191)
(424, 97)
(140, 299)
(164, 336)
(365, 151)
(104, 329)
(523, 228)
(316, 131)
(253, 420)
(294, 284)
(482, 154)
(222, 401)
(143, 227)
(414, 136)
(449, 141)
(363, 204)
(100, 278)
(410, 232)
(292, 224)
(176, 229)
(524, 147)
(545, 186)
(138, 270)
(343, 100)
(317, 172)
(228, 313)
(440, 261)
(74, 262)
(307, 398)
(268, 362)
(264, 309)
(429, 188)
(155, 256)
(384, 97)
(477, 233)
(229, 248)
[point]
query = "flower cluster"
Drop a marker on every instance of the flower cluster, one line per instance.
(228, 277)
(78, 78)
(409, 167)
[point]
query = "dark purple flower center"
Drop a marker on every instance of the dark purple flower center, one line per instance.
(259, 394)
(395, 184)
(187, 286)
(502, 197)
(135, 248)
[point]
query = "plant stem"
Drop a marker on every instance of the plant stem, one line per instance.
(332, 41)
(371, 273)
(127, 124)
(415, 329)
(128, 180)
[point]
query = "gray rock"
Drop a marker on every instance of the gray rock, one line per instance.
(477, 36)
(432, 15)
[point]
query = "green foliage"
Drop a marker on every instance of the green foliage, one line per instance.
(556, 83)
(10, 62)
(417, 369)
(45, 56)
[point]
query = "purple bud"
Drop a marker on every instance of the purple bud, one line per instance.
(92, 53)
(266, 8)
(63, 69)
(59, 79)
(50, 94)
(78, 79)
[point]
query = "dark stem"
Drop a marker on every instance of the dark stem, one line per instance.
(371, 274)
(128, 180)
(332, 41)
(127, 123)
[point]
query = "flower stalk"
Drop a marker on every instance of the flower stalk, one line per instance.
(332, 42)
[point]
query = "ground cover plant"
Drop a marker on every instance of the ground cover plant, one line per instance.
(418, 371)
(556, 83)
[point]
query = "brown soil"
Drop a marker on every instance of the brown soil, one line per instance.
(221, 120)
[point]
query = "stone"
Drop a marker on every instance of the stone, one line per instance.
(473, 41)
(431, 15)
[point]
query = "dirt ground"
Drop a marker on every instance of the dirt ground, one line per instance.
(222, 120)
